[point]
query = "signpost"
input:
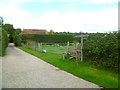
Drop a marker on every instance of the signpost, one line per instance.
(81, 46)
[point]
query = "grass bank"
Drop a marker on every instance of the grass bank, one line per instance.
(81, 69)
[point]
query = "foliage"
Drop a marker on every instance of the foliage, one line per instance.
(83, 70)
(17, 40)
(17, 31)
(17, 37)
(51, 32)
(69, 33)
(13, 34)
(10, 30)
(48, 38)
(3, 42)
(101, 49)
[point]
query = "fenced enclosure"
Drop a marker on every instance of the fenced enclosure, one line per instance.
(72, 50)
(49, 47)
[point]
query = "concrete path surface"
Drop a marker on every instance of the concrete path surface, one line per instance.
(22, 70)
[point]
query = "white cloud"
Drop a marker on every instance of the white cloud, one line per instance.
(102, 1)
(70, 5)
(59, 0)
(15, 15)
(88, 1)
(73, 21)
(79, 21)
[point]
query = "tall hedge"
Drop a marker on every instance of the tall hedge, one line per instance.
(101, 49)
(48, 38)
(4, 42)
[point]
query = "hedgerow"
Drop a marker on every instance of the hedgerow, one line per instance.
(48, 38)
(101, 49)
(4, 42)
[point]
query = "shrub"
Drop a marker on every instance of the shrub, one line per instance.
(17, 40)
(102, 49)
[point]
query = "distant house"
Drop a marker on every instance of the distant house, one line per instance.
(34, 31)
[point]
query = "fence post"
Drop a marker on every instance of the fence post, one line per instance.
(68, 43)
(39, 46)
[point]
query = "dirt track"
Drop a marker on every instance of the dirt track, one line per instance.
(22, 70)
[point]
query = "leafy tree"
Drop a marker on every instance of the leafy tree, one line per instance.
(51, 32)
(18, 31)
(17, 37)
(10, 30)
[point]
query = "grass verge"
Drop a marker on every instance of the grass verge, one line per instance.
(81, 69)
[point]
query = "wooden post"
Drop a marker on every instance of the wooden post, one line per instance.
(78, 51)
(82, 37)
(68, 43)
(39, 46)
(81, 48)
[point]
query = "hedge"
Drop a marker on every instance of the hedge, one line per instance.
(48, 38)
(101, 49)
(4, 42)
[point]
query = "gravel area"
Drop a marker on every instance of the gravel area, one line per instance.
(22, 70)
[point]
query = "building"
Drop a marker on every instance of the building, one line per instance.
(34, 31)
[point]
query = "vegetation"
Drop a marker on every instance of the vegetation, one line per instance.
(17, 37)
(3, 38)
(101, 49)
(8, 34)
(48, 38)
(83, 70)
(3, 42)
(13, 34)
(51, 32)
(10, 30)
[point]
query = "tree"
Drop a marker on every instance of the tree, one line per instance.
(10, 30)
(17, 37)
(18, 31)
(51, 32)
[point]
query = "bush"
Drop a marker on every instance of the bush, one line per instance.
(17, 40)
(102, 50)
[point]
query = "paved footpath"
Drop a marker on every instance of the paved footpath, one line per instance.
(22, 70)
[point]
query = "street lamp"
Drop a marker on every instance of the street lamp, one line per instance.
(82, 37)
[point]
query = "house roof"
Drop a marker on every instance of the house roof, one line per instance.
(34, 31)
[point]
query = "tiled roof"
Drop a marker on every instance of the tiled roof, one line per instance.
(34, 31)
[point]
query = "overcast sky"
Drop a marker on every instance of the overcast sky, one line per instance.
(61, 15)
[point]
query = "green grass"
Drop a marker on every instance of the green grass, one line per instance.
(81, 69)
(56, 48)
